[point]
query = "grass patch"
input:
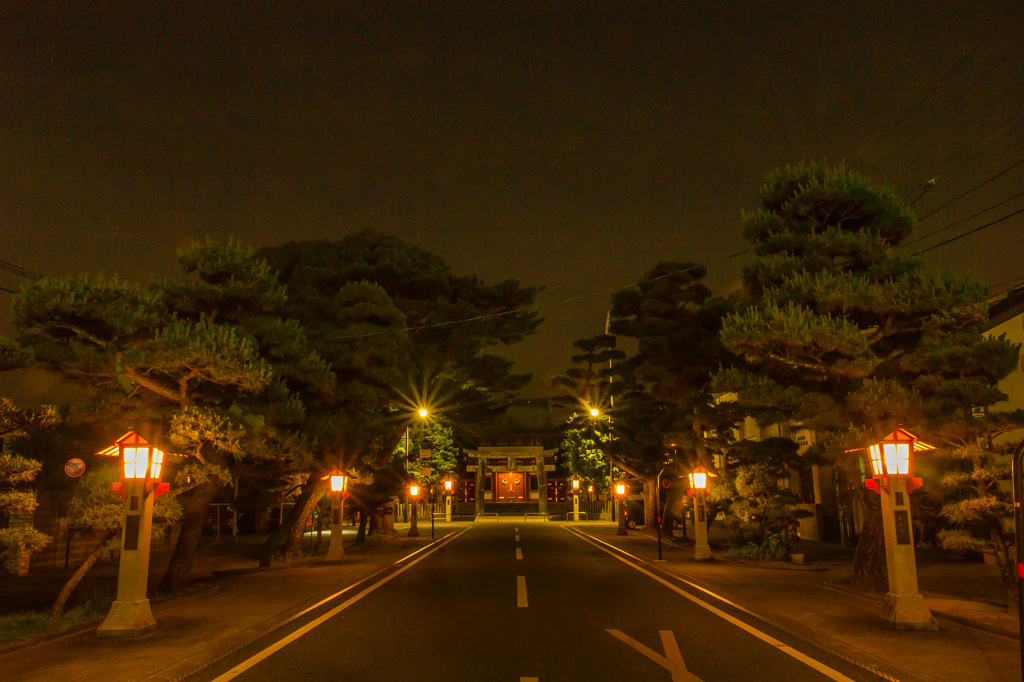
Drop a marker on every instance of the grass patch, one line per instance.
(23, 625)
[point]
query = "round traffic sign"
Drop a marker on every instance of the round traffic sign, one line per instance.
(74, 467)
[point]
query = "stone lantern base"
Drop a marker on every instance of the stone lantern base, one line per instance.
(127, 619)
(908, 612)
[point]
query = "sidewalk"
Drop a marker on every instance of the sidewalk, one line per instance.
(976, 640)
(228, 610)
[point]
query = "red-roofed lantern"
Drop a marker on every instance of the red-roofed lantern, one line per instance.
(892, 468)
(141, 465)
(337, 493)
(699, 480)
(449, 490)
(414, 492)
(576, 484)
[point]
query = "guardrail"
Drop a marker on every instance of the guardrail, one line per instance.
(494, 514)
(546, 517)
(577, 515)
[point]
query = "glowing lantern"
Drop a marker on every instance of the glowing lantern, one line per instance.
(414, 490)
(448, 485)
(140, 461)
(620, 489)
(575, 482)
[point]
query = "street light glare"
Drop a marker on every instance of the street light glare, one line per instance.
(423, 413)
(594, 412)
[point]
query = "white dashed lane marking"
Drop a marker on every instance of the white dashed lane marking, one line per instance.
(519, 554)
(521, 592)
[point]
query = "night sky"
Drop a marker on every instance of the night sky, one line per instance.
(566, 144)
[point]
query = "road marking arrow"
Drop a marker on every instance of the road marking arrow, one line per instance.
(672, 661)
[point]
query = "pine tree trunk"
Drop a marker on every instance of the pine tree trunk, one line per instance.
(58, 606)
(869, 567)
(313, 491)
(279, 537)
(195, 508)
(1006, 569)
(650, 506)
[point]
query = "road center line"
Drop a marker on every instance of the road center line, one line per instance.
(521, 591)
(517, 537)
(285, 641)
(519, 553)
(764, 637)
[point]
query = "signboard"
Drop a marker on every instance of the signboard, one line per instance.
(471, 467)
(74, 467)
(426, 455)
(902, 518)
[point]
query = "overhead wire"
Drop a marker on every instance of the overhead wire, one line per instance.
(962, 220)
(970, 191)
(18, 270)
(970, 232)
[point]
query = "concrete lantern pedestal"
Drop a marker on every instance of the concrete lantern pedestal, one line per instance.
(130, 615)
(904, 607)
(701, 547)
(336, 550)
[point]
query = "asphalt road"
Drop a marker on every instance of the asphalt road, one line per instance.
(524, 602)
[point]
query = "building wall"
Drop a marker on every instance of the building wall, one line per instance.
(1012, 385)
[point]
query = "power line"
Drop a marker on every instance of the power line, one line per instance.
(963, 220)
(10, 291)
(957, 198)
(965, 91)
(18, 270)
(969, 232)
(942, 79)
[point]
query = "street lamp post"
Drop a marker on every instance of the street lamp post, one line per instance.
(892, 464)
(449, 489)
(142, 465)
(575, 483)
(338, 493)
(657, 500)
(620, 494)
(422, 412)
(414, 491)
(698, 491)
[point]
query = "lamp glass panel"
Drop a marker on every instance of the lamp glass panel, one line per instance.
(620, 489)
(158, 464)
(134, 462)
(575, 484)
(876, 460)
(414, 490)
(700, 480)
(338, 483)
(447, 484)
(897, 458)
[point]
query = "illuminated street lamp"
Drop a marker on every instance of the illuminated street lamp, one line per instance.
(338, 493)
(620, 495)
(449, 490)
(892, 465)
(422, 412)
(699, 480)
(574, 482)
(141, 468)
(414, 491)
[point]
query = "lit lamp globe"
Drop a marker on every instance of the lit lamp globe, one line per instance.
(594, 412)
(575, 483)
(448, 484)
(620, 489)
(423, 412)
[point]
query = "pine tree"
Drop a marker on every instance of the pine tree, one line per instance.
(834, 318)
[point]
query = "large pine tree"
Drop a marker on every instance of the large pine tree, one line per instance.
(835, 320)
